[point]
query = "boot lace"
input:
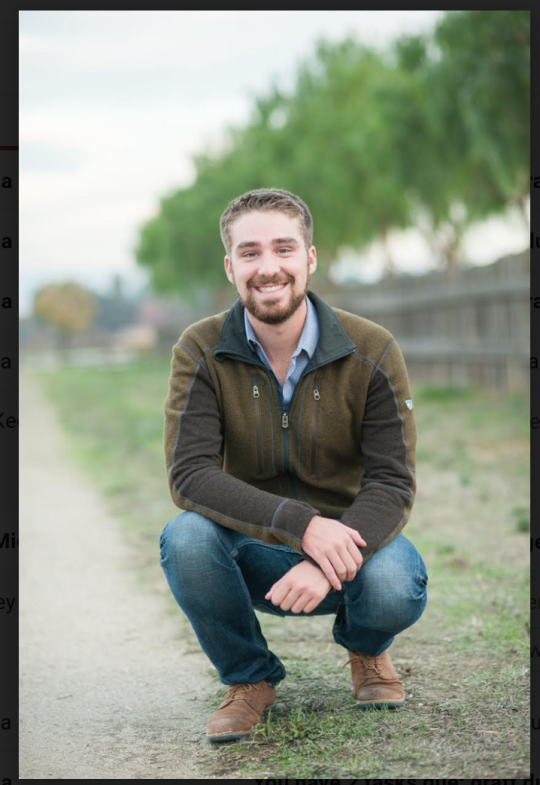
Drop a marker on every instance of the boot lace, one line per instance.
(238, 692)
(369, 663)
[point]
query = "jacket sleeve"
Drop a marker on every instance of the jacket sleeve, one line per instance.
(388, 442)
(193, 441)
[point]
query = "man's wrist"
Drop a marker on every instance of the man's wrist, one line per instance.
(307, 527)
(307, 558)
(320, 570)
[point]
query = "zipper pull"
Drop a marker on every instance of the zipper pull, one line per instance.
(316, 393)
(285, 420)
(255, 391)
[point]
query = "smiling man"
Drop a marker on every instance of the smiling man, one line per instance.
(272, 290)
(290, 444)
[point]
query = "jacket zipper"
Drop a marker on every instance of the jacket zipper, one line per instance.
(285, 427)
(258, 437)
(285, 416)
(316, 395)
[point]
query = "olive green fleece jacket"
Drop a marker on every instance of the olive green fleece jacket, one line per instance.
(345, 449)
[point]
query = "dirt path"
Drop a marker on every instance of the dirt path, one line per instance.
(105, 688)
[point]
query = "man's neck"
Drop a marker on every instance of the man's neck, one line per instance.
(279, 341)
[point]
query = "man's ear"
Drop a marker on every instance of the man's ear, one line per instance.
(227, 263)
(313, 258)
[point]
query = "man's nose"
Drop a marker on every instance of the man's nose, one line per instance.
(268, 264)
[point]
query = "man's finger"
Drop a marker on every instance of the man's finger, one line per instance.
(356, 554)
(330, 573)
(272, 589)
(279, 594)
(287, 602)
(299, 605)
(356, 535)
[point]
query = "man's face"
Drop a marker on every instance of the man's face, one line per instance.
(268, 248)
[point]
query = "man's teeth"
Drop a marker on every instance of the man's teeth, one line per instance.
(270, 288)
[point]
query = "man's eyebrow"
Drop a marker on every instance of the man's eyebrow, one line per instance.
(275, 241)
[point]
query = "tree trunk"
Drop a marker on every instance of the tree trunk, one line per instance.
(450, 252)
(64, 343)
(389, 267)
(521, 202)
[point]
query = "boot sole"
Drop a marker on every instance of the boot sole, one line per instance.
(232, 735)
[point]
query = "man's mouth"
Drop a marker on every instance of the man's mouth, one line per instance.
(271, 288)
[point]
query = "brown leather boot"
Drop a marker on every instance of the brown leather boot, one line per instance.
(240, 710)
(375, 682)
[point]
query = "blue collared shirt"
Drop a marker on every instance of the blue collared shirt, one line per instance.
(306, 346)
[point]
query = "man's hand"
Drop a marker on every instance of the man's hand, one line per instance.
(300, 589)
(334, 547)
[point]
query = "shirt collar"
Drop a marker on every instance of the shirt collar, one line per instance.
(308, 338)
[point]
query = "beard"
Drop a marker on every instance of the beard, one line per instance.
(270, 310)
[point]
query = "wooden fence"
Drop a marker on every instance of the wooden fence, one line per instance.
(469, 329)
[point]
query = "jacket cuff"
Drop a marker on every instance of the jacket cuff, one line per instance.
(291, 519)
(305, 557)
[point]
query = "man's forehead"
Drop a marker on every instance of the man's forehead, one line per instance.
(258, 227)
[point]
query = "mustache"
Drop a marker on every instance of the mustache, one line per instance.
(267, 283)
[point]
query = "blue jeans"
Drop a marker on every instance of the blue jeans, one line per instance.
(218, 576)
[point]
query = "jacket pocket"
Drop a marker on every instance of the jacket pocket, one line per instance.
(258, 427)
(314, 413)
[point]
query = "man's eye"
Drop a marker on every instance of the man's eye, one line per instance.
(287, 250)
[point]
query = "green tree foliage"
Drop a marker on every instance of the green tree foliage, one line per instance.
(485, 68)
(340, 154)
(433, 133)
(473, 103)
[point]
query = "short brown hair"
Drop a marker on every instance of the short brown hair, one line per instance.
(266, 199)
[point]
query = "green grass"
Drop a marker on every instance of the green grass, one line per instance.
(464, 665)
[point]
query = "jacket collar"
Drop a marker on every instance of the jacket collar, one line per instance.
(333, 340)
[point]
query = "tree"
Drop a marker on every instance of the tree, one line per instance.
(68, 306)
(434, 134)
(472, 99)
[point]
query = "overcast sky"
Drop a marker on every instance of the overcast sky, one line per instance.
(113, 104)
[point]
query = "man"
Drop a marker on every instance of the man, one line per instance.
(290, 442)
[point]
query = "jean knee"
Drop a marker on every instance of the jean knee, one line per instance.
(396, 591)
(412, 598)
(187, 539)
(395, 610)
